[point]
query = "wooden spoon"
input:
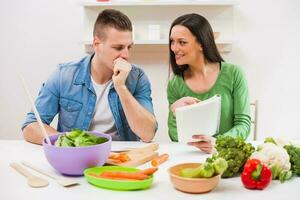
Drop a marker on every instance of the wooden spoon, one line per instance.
(36, 113)
(32, 180)
(66, 182)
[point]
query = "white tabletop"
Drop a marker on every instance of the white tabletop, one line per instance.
(14, 186)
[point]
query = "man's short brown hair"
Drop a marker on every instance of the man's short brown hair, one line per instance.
(113, 19)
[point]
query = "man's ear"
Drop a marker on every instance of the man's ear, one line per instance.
(96, 42)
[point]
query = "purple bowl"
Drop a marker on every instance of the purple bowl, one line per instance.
(74, 160)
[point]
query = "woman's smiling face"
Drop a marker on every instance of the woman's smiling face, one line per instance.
(184, 45)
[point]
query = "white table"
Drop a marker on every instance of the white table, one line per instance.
(13, 185)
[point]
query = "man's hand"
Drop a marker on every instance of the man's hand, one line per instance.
(121, 70)
(32, 132)
(206, 143)
(184, 101)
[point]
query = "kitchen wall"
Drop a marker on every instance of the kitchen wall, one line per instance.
(36, 35)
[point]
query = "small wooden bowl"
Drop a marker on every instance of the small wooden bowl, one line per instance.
(191, 185)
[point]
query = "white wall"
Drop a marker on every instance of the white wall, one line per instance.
(267, 46)
(35, 35)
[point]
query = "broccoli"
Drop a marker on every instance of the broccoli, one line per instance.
(220, 165)
(208, 169)
(294, 153)
(235, 151)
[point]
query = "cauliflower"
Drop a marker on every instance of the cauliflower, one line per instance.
(282, 142)
(276, 158)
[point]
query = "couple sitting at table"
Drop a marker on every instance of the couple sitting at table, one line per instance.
(105, 92)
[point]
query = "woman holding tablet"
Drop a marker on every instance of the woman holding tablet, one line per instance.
(200, 73)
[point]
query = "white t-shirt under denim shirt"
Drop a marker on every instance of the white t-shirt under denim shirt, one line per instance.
(103, 120)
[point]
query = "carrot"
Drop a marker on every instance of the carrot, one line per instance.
(119, 157)
(116, 178)
(126, 175)
(94, 175)
(148, 171)
(159, 160)
(117, 161)
(124, 157)
(113, 156)
(109, 177)
(118, 175)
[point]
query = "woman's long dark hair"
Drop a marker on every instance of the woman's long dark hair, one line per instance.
(201, 29)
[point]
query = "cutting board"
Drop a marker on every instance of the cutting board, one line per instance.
(138, 156)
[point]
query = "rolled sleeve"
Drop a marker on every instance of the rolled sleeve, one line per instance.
(143, 94)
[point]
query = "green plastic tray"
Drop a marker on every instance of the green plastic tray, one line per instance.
(116, 184)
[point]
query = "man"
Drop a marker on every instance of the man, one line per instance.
(102, 92)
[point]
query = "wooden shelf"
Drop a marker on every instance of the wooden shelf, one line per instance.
(142, 46)
(160, 3)
(164, 42)
(145, 13)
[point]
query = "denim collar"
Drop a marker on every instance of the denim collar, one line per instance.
(84, 74)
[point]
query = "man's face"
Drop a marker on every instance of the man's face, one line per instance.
(115, 44)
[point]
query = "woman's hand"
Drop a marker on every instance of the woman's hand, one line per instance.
(184, 101)
(206, 143)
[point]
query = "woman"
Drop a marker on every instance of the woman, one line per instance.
(200, 73)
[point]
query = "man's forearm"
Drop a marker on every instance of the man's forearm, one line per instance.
(32, 132)
(141, 121)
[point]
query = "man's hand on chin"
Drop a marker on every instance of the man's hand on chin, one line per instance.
(121, 70)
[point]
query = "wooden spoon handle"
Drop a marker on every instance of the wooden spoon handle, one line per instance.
(38, 170)
(149, 147)
(153, 147)
(21, 169)
(36, 113)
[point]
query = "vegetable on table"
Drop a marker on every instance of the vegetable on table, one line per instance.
(220, 165)
(148, 171)
(126, 175)
(119, 157)
(121, 175)
(235, 151)
(159, 160)
(206, 170)
(256, 175)
(276, 158)
(294, 153)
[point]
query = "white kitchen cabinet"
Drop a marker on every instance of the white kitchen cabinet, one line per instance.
(146, 13)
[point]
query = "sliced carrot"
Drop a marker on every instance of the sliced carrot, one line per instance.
(95, 175)
(109, 177)
(126, 175)
(159, 160)
(148, 171)
(118, 175)
(117, 161)
(119, 157)
(124, 157)
(117, 178)
(113, 156)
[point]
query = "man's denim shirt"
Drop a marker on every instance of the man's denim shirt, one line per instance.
(69, 92)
